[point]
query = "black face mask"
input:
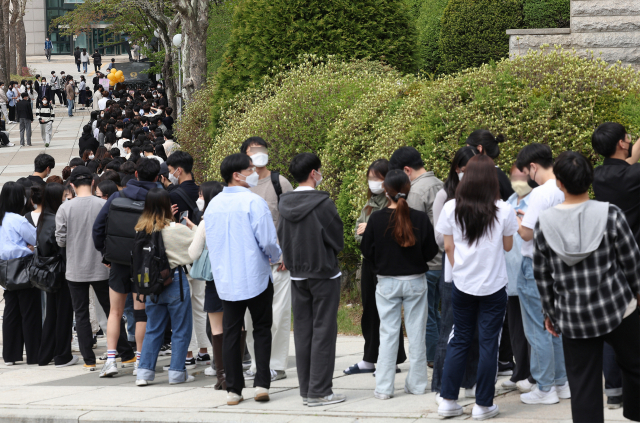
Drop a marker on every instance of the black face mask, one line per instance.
(630, 149)
(532, 183)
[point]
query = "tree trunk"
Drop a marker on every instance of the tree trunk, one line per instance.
(6, 16)
(22, 45)
(13, 38)
(4, 75)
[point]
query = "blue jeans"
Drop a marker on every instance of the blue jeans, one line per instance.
(488, 313)
(169, 306)
(433, 324)
(391, 295)
(131, 321)
(84, 66)
(70, 107)
(547, 355)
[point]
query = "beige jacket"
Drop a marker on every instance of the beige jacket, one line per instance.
(421, 197)
(177, 238)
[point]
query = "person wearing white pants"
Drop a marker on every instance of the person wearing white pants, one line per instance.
(199, 340)
(46, 116)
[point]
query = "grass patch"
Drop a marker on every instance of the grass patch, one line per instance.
(350, 313)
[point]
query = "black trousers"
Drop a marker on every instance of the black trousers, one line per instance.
(56, 331)
(583, 358)
(370, 322)
(519, 343)
(315, 330)
(12, 113)
(80, 300)
(612, 372)
(22, 325)
(261, 310)
(505, 352)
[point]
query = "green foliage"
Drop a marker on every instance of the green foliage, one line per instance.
(267, 33)
(474, 32)
(428, 26)
(219, 32)
(547, 13)
(356, 112)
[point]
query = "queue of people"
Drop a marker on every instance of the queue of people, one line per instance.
(495, 275)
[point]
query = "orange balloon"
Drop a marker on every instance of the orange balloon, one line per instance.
(113, 70)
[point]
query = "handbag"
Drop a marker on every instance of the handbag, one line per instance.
(201, 268)
(14, 273)
(47, 273)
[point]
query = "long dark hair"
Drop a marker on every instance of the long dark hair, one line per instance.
(459, 160)
(397, 185)
(157, 211)
(209, 190)
(51, 199)
(12, 199)
(476, 197)
(488, 142)
(380, 168)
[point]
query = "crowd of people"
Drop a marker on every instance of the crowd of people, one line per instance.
(519, 275)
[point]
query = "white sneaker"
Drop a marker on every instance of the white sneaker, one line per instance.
(165, 368)
(135, 368)
(209, 371)
(109, 369)
(536, 396)
(470, 393)
(233, 398)
(483, 413)
(380, 396)
(261, 394)
(249, 375)
(439, 399)
(189, 379)
(525, 386)
(10, 144)
(449, 408)
(507, 384)
(563, 391)
(73, 361)
(141, 382)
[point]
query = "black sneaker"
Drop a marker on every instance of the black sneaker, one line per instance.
(246, 365)
(190, 363)
(614, 402)
(100, 334)
(203, 359)
(165, 349)
(505, 369)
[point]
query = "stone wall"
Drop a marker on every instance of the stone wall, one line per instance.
(34, 25)
(609, 28)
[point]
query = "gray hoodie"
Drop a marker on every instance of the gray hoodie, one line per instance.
(573, 233)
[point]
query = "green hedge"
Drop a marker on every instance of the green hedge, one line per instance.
(547, 13)
(353, 113)
(219, 32)
(474, 32)
(267, 33)
(428, 25)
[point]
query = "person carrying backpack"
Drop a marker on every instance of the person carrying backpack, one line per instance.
(171, 295)
(184, 195)
(114, 234)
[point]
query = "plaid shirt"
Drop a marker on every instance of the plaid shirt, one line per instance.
(589, 299)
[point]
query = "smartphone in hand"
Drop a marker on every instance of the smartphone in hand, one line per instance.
(183, 216)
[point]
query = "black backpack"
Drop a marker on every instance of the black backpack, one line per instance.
(275, 181)
(196, 214)
(121, 222)
(150, 266)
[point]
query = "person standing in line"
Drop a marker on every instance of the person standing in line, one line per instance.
(70, 91)
(312, 235)
(13, 99)
(270, 186)
(370, 321)
(76, 56)
(44, 91)
(587, 266)
(617, 181)
(46, 115)
(33, 93)
(521, 377)
(547, 357)
(424, 187)
(48, 46)
(82, 92)
(84, 269)
(97, 60)
(241, 269)
(477, 227)
(4, 102)
(399, 242)
(58, 322)
(24, 114)
(43, 164)
(63, 88)
(97, 96)
(84, 59)
(55, 88)
(22, 316)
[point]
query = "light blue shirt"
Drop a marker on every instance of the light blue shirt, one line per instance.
(241, 239)
(11, 95)
(514, 257)
(15, 233)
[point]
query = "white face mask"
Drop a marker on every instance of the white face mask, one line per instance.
(159, 86)
(91, 157)
(318, 181)
(460, 175)
(252, 180)
(200, 203)
(260, 159)
(376, 187)
(45, 102)
(173, 178)
(521, 188)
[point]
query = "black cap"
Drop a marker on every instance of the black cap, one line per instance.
(164, 169)
(80, 172)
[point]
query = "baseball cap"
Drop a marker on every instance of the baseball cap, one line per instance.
(80, 172)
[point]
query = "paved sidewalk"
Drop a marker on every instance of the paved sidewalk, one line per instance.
(67, 64)
(17, 161)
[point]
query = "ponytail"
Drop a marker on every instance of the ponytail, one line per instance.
(397, 185)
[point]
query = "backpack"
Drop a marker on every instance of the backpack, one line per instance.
(120, 229)
(150, 266)
(275, 180)
(196, 214)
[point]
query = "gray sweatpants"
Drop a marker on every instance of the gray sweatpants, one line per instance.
(25, 126)
(5, 112)
(46, 130)
(315, 330)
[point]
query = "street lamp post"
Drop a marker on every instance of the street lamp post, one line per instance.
(177, 41)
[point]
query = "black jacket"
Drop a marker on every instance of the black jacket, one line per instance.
(310, 233)
(47, 92)
(76, 54)
(46, 237)
(87, 142)
(505, 185)
(97, 58)
(24, 111)
(192, 190)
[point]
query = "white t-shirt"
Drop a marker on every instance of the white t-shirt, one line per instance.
(480, 268)
(102, 103)
(541, 198)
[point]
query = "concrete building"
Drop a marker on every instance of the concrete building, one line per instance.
(37, 20)
(609, 28)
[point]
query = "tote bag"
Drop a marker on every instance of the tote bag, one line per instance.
(201, 268)
(14, 273)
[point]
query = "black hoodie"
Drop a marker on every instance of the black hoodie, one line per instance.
(310, 233)
(87, 142)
